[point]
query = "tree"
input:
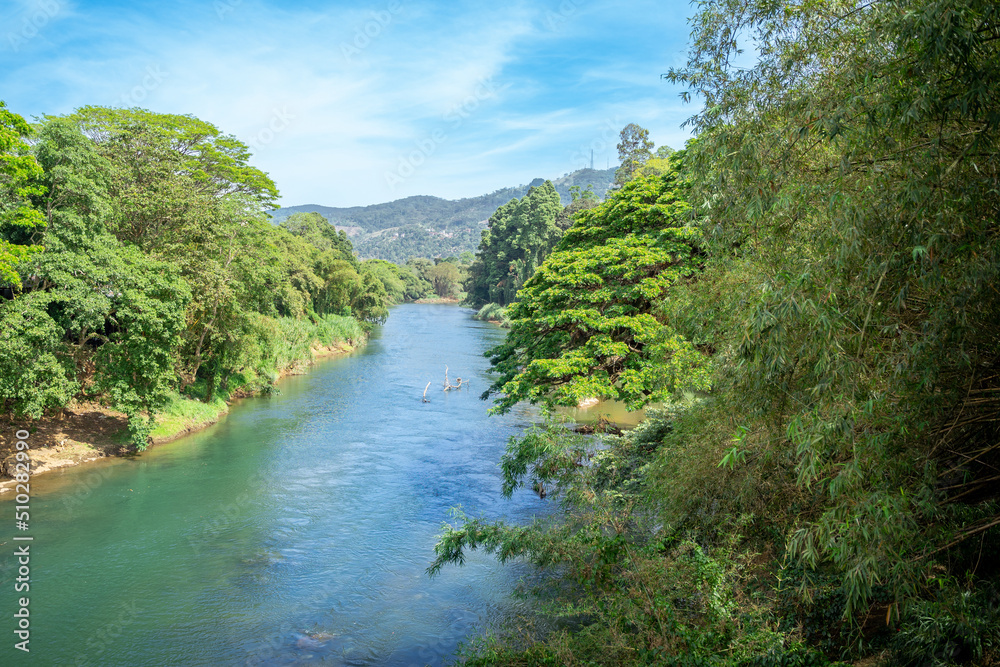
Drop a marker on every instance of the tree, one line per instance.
(581, 200)
(371, 302)
(519, 235)
(168, 173)
(446, 279)
(584, 324)
(20, 177)
(850, 178)
(318, 231)
(216, 163)
(36, 372)
(634, 150)
(118, 313)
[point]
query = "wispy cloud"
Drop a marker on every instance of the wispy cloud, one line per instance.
(327, 122)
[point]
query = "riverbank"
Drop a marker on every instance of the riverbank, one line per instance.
(439, 300)
(87, 431)
(326, 496)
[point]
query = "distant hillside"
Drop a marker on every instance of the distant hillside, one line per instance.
(431, 226)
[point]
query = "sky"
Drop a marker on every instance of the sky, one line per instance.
(357, 103)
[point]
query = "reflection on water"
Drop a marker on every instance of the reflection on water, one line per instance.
(296, 531)
(613, 411)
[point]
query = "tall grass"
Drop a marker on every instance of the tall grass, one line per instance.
(277, 345)
(294, 339)
(493, 312)
(183, 413)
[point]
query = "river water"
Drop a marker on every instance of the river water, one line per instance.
(296, 531)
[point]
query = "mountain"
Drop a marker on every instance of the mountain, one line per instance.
(425, 226)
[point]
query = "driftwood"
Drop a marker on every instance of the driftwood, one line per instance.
(448, 386)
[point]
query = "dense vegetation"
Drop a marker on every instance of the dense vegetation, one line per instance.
(811, 294)
(433, 227)
(136, 262)
(583, 323)
(517, 238)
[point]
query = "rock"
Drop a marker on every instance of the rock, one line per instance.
(9, 465)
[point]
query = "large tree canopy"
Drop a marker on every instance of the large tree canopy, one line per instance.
(20, 180)
(584, 324)
(851, 178)
(136, 261)
(634, 150)
(518, 237)
(217, 163)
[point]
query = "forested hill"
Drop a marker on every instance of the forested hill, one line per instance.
(431, 226)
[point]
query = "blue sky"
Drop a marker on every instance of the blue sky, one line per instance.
(356, 103)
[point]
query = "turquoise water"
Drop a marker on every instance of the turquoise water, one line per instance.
(296, 531)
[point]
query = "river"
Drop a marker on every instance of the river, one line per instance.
(296, 531)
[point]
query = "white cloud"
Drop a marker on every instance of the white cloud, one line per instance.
(512, 94)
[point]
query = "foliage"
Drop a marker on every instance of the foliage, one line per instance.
(19, 182)
(624, 590)
(146, 266)
(214, 163)
(36, 373)
(958, 627)
(858, 205)
(317, 230)
(135, 363)
(400, 244)
(180, 414)
(844, 302)
(634, 150)
(581, 200)
(432, 227)
(584, 325)
(446, 279)
(519, 235)
(493, 312)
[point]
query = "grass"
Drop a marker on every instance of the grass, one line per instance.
(183, 413)
(493, 312)
(290, 344)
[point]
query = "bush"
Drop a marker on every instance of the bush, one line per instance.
(954, 629)
(493, 312)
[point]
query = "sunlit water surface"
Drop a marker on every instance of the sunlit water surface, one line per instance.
(296, 531)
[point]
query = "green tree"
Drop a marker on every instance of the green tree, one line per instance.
(216, 163)
(850, 178)
(371, 302)
(519, 236)
(20, 176)
(168, 173)
(446, 278)
(584, 325)
(318, 231)
(37, 373)
(118, 312)
(634, 150)
(581, 200)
